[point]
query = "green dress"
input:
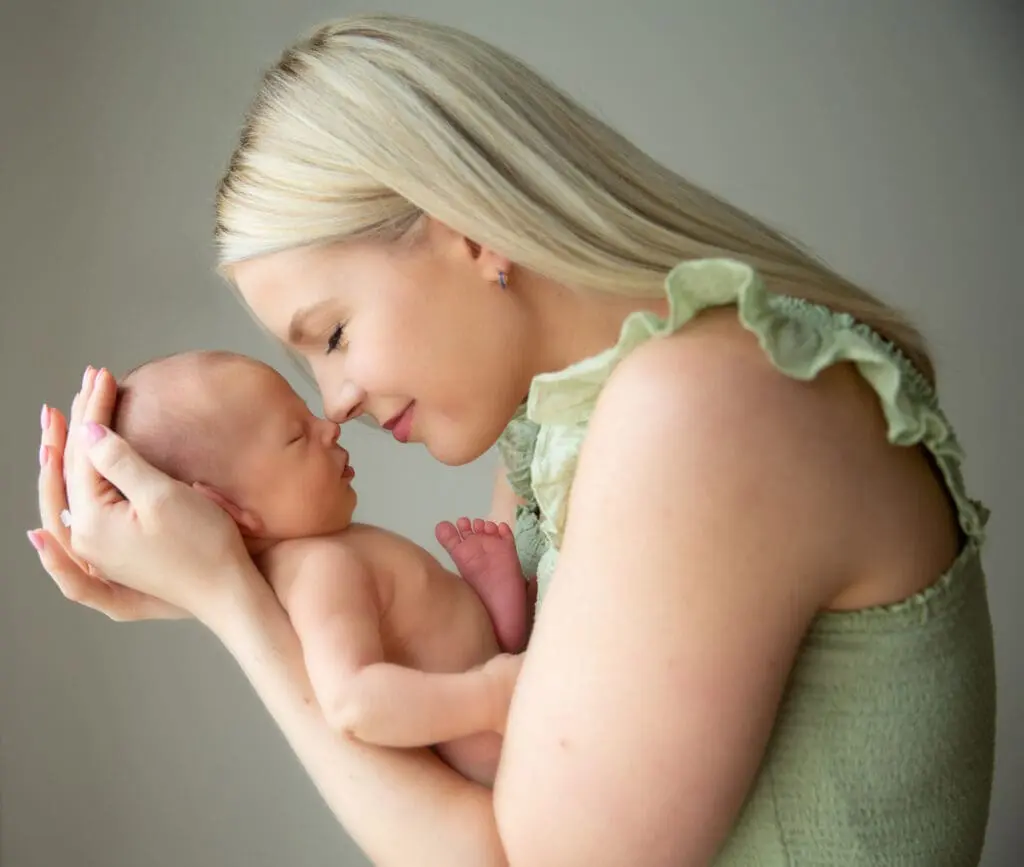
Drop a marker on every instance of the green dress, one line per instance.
(882, 750)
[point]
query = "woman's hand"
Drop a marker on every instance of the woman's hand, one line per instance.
(140, 545)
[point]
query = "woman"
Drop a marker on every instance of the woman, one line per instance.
(763, 634)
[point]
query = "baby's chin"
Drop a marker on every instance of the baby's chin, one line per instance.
(342, 515)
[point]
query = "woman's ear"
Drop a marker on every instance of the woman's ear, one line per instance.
(491, 265)
(248, 522)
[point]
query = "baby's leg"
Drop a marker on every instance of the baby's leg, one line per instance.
(485, 555)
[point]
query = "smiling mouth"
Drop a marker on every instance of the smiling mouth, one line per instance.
(390, 424)
(400, 427)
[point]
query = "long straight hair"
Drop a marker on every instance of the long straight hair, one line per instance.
(371, 122)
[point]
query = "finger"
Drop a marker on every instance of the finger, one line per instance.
(75, 420)
(52, 491)
(79, 400)
(120, 466)
(116, 602)
(52, 496)
(97, 408)
(102, 395)
(73, 581)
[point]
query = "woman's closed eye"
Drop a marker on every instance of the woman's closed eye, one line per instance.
(335, 340)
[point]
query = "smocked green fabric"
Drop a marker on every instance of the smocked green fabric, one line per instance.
(883, 747)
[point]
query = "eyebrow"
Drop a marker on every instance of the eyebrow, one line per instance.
(297, 328)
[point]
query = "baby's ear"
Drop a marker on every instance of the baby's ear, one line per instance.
(248, 522)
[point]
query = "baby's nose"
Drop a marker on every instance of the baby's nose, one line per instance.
(332, 430)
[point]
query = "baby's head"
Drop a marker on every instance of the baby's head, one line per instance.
(233, 427)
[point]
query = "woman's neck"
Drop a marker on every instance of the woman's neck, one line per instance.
(571, 325)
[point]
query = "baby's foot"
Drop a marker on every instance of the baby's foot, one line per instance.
(485, 555)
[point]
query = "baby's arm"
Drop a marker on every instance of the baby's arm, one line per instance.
(330, 596)
(332, 602)
(395, 706)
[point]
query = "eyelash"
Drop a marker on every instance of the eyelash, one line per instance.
(334, 341)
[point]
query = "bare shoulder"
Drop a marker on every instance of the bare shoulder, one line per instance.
(715, 374)
(707, 408)
(875, 521)
(717, 507)
(293, 562)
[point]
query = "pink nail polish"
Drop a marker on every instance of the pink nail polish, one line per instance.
(44, 417)
(35, 539)
(44, 456)
(93, 432)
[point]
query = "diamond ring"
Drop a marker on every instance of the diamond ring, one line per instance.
(65, 518)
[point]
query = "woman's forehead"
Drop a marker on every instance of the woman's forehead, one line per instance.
(282, 290)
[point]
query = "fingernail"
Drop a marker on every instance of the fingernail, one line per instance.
(36, 539)
(44, 417)
(93, 432)
(85, 377)
(44, 455)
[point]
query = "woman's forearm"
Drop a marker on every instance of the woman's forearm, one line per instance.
(403, 808)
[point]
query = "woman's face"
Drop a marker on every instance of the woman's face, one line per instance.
(419, 336)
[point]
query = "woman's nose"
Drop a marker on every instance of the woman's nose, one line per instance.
(343, 404)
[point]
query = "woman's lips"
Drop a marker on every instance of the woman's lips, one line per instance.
(400, 426)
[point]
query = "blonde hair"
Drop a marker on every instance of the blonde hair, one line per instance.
(370, 122)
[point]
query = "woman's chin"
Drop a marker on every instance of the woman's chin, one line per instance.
(454, 453)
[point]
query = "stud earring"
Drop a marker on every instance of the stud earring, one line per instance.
(502, 279)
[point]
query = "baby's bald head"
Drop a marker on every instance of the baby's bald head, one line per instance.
(183, 413)
(235, 425)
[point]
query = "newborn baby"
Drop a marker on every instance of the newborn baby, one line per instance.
(400, 651)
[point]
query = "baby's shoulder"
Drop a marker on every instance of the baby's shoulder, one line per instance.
(338, 554)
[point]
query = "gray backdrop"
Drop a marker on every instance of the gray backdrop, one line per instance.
(886, 133)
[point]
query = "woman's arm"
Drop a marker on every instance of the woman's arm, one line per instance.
(402, 807)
